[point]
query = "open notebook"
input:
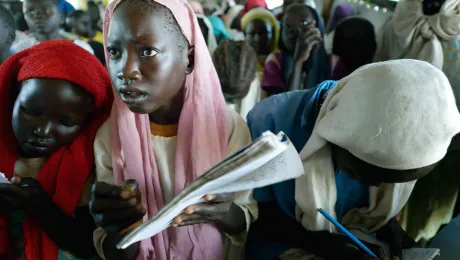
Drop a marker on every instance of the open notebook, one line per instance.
(3, 179)
(408, 254)
(268, 160)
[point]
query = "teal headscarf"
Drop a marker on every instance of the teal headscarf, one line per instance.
(219, 28)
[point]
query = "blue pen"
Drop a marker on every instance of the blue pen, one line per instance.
(346, 232)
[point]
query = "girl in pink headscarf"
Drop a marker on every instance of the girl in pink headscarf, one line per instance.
(169, 124)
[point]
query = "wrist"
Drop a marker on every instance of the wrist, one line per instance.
(109, 247)
(234, 221)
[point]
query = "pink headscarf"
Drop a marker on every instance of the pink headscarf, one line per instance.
(201, 143)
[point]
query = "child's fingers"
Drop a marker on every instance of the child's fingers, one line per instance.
(102, 189)
(16, 180)
(219, 198)
(185, 220)
(122, 218)
(101, 205)
(204, 209)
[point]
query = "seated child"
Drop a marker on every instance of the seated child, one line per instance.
(61, 96)
(301, 62)
(235, 64)
(7, 30)
(43, 18)
(262, 30)
(169, 124)
(80, 27)
(364, 141)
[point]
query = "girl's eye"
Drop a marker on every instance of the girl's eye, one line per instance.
(67, 124)
(30, 112)
(114, 53)
(148, 52)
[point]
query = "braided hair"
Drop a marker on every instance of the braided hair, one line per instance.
(235, 63)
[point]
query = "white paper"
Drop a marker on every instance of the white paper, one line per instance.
(407, 254)
(268, 160)
(3, 179)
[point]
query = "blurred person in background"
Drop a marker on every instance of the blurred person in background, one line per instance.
(43, 18)
(7, 30)
(354, 46)
(262, 31)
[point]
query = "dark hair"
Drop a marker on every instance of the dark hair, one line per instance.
(235, 63)
(170, 23)
(7, 19)
(354, 41)
(204, 29)
(91, 3)
(77, 14)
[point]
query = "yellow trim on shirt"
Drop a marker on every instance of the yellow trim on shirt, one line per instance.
(163, 130)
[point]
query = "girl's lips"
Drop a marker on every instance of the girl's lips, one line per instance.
(132, 98)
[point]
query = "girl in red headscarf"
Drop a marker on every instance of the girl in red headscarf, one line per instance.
(54, 97)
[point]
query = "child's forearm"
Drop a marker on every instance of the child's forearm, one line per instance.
(235, 221)
(294, 81)
(70, 233)
(110, 248)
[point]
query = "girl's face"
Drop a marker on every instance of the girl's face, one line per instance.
(371, 175)
(42, 16)
(82, 25)
(147, 65)
(292, 21)
(48, 114)
(287, 3)
(260, 36)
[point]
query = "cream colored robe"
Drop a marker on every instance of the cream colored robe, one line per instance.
(165, 149)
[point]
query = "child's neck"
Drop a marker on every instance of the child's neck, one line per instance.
(169, 114)
(46, 37)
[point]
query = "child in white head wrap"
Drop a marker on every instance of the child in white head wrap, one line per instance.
(388, 122)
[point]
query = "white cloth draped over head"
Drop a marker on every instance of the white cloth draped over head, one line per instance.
(411, 34)
(232, 14)
(396, 115)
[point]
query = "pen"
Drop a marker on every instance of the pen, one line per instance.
(346, 232)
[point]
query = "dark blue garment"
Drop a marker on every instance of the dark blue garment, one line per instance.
(295, 114)
(65, 6)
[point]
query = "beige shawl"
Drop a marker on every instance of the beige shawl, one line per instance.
(411, 34)
(397, 115)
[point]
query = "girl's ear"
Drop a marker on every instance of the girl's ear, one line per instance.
(190, 59)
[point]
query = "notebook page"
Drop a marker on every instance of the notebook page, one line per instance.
(3, 179)
(407, 254)
(267, 161)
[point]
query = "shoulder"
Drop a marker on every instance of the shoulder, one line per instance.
(282, 110)
(84, 45)
(277, 105)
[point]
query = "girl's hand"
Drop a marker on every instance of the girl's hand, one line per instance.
(21, 194)
(396, 237)
(309, 38)
(116, 208)
(214, 209)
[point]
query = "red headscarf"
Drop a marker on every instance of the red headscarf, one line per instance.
(66, 171)
(251, 4)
